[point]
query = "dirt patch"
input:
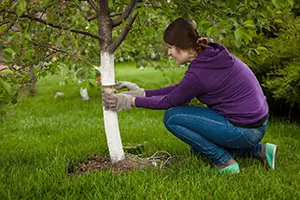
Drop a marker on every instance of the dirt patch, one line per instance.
(98, 163)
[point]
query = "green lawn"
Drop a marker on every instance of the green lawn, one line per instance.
(43, 135)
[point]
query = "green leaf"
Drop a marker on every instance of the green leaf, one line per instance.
(278, 21)
(238, 43)
(248, 22)
(235, 23)
(2, 29)
(250, 25)
(267, 27)
(85, 84)
(6, 71)
(238, 33)
(44, 2)
(2, 112)
(9, 50)
(6, 2)
(262, 48)
(217, 32)
(291, 2)
(6, 86)
(93, 82)
(8, 57)
(202, 22)
(250, 54)
(255, 50)
(60, 39)
(14, 4)
(80, 72)
(21, 7)
(29, 54)
(210, 31)
(276, 3)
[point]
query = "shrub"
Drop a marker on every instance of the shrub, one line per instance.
(281, 63)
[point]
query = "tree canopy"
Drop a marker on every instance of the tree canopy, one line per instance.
(43, 35)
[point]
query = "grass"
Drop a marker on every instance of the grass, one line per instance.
(44, 135)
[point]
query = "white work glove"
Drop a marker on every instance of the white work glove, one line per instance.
(133, 89)
(117, 102)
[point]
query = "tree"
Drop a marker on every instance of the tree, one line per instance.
(34, 31)
(27, 11)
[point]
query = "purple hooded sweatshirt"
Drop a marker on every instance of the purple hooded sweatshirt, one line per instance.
(218, 79)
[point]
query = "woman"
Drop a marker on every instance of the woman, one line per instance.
(236, 116)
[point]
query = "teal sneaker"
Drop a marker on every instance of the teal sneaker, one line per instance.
(231, 169)
(271, 151)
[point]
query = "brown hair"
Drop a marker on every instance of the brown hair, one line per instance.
(183, 34)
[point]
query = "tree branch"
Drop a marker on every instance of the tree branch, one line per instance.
(124, 31)
(125, 14)
(114, 14)
(4, 22)
(50, 47)
(111, 15)
(92, 18)
(92, 3)
(57, 26)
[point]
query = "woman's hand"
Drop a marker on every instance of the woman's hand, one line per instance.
(117, 102)
(133, 89)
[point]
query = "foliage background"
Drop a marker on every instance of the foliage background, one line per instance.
(262, 33)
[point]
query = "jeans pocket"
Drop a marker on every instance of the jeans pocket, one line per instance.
(239, 142)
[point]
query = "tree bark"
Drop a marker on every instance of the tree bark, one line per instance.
(33, 81)
(111, 123)
(107, 71)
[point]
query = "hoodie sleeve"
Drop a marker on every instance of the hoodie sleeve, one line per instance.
(161, 91)
(186, 90)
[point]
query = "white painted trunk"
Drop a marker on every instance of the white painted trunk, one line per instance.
(110, 118)
(84, 94)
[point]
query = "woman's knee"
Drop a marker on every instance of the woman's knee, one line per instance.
(170, 113)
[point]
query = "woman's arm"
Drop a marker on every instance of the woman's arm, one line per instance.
(160, 91)
(189, 87)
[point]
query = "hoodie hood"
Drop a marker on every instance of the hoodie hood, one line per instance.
(215, 56)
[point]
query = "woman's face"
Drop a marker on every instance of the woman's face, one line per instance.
(181, 56)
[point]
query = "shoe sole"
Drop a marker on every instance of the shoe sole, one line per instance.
(274, 157)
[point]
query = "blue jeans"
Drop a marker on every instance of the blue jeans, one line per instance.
(212, 135)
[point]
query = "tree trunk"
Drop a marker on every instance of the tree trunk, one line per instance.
(107, 71)
(32, 89)
(110, 118)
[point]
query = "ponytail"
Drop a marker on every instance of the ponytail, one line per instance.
(183, 34)
(202, 43)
